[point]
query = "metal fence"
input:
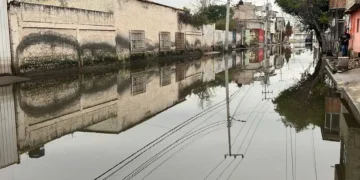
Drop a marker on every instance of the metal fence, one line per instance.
(5, 54)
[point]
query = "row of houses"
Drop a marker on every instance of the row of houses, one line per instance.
(345, 16)
(252, 22)
(60, 34)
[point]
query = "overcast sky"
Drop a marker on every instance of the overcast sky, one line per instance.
(189, 3)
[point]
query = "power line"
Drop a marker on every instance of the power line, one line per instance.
(151, 159)
(314, 154)
(257, 126)
(247, 132)
(295, 152)
(158, 155)
(292, 157)
(180, 151)
(225, 169)
(139, 169)
(237, 165)
(165, 135)
(286, 150)
(246, 119)
(214, 169)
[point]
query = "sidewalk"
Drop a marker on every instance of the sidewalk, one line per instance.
(348, 83)
(7, 80)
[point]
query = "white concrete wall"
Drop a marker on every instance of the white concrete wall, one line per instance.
(43, 33)
(50, 111)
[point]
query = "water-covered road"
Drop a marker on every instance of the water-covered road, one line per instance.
(168, 120)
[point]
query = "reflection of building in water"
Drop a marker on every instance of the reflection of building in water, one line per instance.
(103, 102)
(8, 139)
(349, 167)
(331, 129)
(182, 80)
(279, 61)
(253, 58)
(244, 76)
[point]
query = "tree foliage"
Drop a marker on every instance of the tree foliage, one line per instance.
(207, 15)
(288, 29)
(312, 13)
(299, 108)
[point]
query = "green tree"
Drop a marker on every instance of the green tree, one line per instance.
(206, 15)
(288, 29)
(298, 108)
(312, 13)
(217, 12)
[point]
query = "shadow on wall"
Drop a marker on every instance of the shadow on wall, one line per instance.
(51, 91)
(41, 88)
(91, 52)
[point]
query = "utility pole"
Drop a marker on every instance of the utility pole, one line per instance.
(229, 118)
(227, 25)
(266, 21)
(266, 92)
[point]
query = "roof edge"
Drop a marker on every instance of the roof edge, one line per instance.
(163, 5)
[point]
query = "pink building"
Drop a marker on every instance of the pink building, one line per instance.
(353, 9)
(355, 31)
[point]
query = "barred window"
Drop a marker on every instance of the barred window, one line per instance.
(165, 76)
(180, 72)
(137, 38)
(165, 41)
(138, 83)
(180, 41)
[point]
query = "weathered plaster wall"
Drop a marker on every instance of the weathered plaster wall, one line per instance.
(153, 19)
(96, 5)
(49, 109)
(132, 109)
(43, 35)
(219, 38)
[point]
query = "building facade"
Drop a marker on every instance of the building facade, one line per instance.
(47, 34)
(352, 9)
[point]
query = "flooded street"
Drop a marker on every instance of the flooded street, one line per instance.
(168, 120)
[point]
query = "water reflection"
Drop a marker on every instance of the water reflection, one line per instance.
(102, 102)
(345, 127)
(98, 106)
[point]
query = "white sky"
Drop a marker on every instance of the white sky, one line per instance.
(189, 3)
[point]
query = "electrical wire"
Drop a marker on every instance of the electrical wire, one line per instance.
(152, 159)
(237, 165)
(214, 169)
(286, 150)
(247, 132)
(164, 136)
(225, 169)
(314, 154)
(295, 153)
(187, 145)
(292, 156)
(244, 125)
(236, 93)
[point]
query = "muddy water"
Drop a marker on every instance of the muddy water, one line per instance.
(168, 120)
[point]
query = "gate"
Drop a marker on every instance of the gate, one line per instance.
(5, 54)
